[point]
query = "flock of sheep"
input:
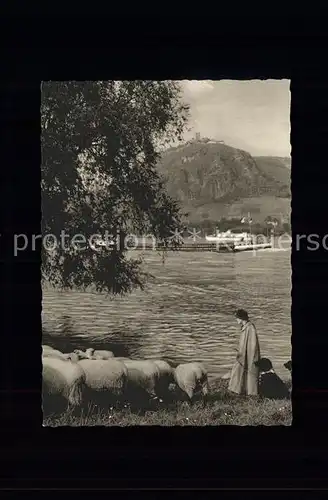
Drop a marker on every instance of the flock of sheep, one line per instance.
(74, 380)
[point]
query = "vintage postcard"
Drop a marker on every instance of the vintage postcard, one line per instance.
(166, 243)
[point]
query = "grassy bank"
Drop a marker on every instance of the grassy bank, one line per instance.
(223, 408)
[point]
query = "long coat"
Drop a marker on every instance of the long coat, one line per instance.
(244, 374)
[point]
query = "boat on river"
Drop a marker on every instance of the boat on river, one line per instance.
(237, 242)
(228, 237)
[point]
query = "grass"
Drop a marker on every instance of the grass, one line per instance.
(223, 408)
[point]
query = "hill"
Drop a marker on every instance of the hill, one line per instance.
(275, 167)
(214, 180)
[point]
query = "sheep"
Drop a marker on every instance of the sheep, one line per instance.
(92, 354)
(80, 354)
(99, 354)
(192, 378)
(143, 381)
(50, 351)
(164, 378)
(63, 384)
(54, 353)
(72, 357)
(105, 380)
(47, 348)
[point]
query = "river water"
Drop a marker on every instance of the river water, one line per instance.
(186, 312)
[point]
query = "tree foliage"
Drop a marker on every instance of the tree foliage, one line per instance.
(100, 143)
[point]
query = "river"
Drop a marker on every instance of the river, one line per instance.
(185, 313)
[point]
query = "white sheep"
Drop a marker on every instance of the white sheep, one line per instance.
(143, 379)
(47, 348)
(50, 351)
(61, 381)
(72, 357)
(99, 354)
(54, 353)
(80, 354)
(94, 354)
(105, 380)
(162, 379)
(192, 378)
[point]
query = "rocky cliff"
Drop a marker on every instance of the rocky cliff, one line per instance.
(213, 179)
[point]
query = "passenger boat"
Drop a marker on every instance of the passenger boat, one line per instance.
(229, 237)
(238, 242)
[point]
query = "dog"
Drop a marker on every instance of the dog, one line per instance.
(288, 365)
(270, 385)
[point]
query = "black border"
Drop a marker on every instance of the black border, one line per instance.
(189, 457)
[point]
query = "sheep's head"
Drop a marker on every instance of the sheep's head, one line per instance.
(73, 356)
(80, 354)
(89, 352)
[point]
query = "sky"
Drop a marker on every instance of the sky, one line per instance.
(253, 115)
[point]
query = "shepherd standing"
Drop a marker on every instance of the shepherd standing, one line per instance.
(244, 374)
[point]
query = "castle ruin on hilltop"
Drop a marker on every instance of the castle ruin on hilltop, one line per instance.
(204, 140)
